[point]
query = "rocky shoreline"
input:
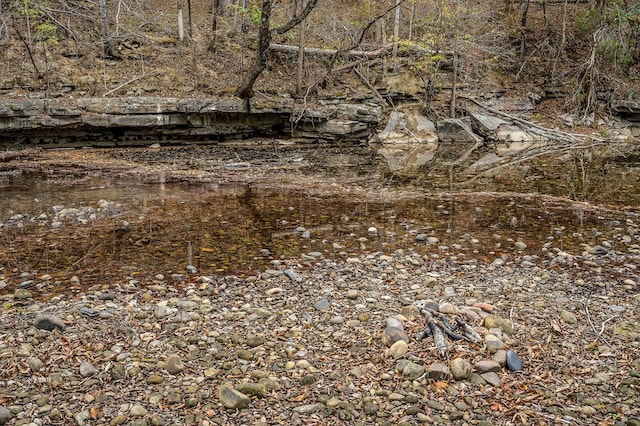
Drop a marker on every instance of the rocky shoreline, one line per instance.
(302, 343)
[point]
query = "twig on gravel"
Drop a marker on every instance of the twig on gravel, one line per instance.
(513, 324)
(599, 335)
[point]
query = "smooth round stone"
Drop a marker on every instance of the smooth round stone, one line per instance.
(255, 341)
(352, 294)
(492, 378)
(493, 343)
(568, 317)
(21, 294)
(155, 379)
(514, 363)
(460, 369)
(398, 349)
(174, 364)
(519, 245)
(5, 415)
(138, 411)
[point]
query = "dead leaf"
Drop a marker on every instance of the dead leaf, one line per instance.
(300, 397)
(440, 385)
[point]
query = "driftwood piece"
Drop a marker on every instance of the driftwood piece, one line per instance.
(469, 332)
(438, 326)
(437, 333)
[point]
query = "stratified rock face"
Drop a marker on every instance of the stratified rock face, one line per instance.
(338, 121)
(627, 110)
(146, 120)
(137, 121)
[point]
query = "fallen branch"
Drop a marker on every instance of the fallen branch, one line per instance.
(536, 128)
(129, 82)
(437, 325)
(370, 54)
(598, 335)
(437, 333)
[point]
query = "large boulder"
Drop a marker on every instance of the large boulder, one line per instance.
(457, 139)
(407, 143)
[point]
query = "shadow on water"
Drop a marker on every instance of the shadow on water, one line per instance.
(108, 230)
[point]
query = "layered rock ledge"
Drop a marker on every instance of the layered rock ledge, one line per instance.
(145, 120)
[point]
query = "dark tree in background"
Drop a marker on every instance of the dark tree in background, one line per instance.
(265, 35)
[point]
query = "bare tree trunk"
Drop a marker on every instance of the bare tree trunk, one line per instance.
(106, 34)
(385, 65)
(523, 29)
(190, 21)
(412, 17)
(215, 11)
(235, 15)
(563, 42)
(454, 86)
(180, 21)
(264, 39)
(265, 34)
(300, 55)
(396, 30)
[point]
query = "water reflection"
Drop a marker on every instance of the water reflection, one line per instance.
(239, 229)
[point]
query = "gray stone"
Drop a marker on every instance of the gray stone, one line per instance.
(398, 349)
(174, 364)
(412, 371)
(460, 369)
(5, 415)
(307, 408)
(492, 378)
(493, 343)
(231, 398)
(87, 369)
(494, 321)
(486, 125)
(568, 317)
(486, 366)
(500, 357)
(292, 275)
(259, 389)
(138, 411)
(322, 305)
(22, 294)
(438, 371)
(456, 138)
(255, 341)
(35, 364)
(514, 363)
(393, 332)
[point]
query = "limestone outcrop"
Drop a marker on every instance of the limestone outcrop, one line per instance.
(145, 120)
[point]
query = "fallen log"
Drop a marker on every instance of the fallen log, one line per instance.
(369, 54)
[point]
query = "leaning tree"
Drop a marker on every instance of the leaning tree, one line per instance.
(265, 35)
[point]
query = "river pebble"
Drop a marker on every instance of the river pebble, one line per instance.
(5, 415)
(259, 344)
